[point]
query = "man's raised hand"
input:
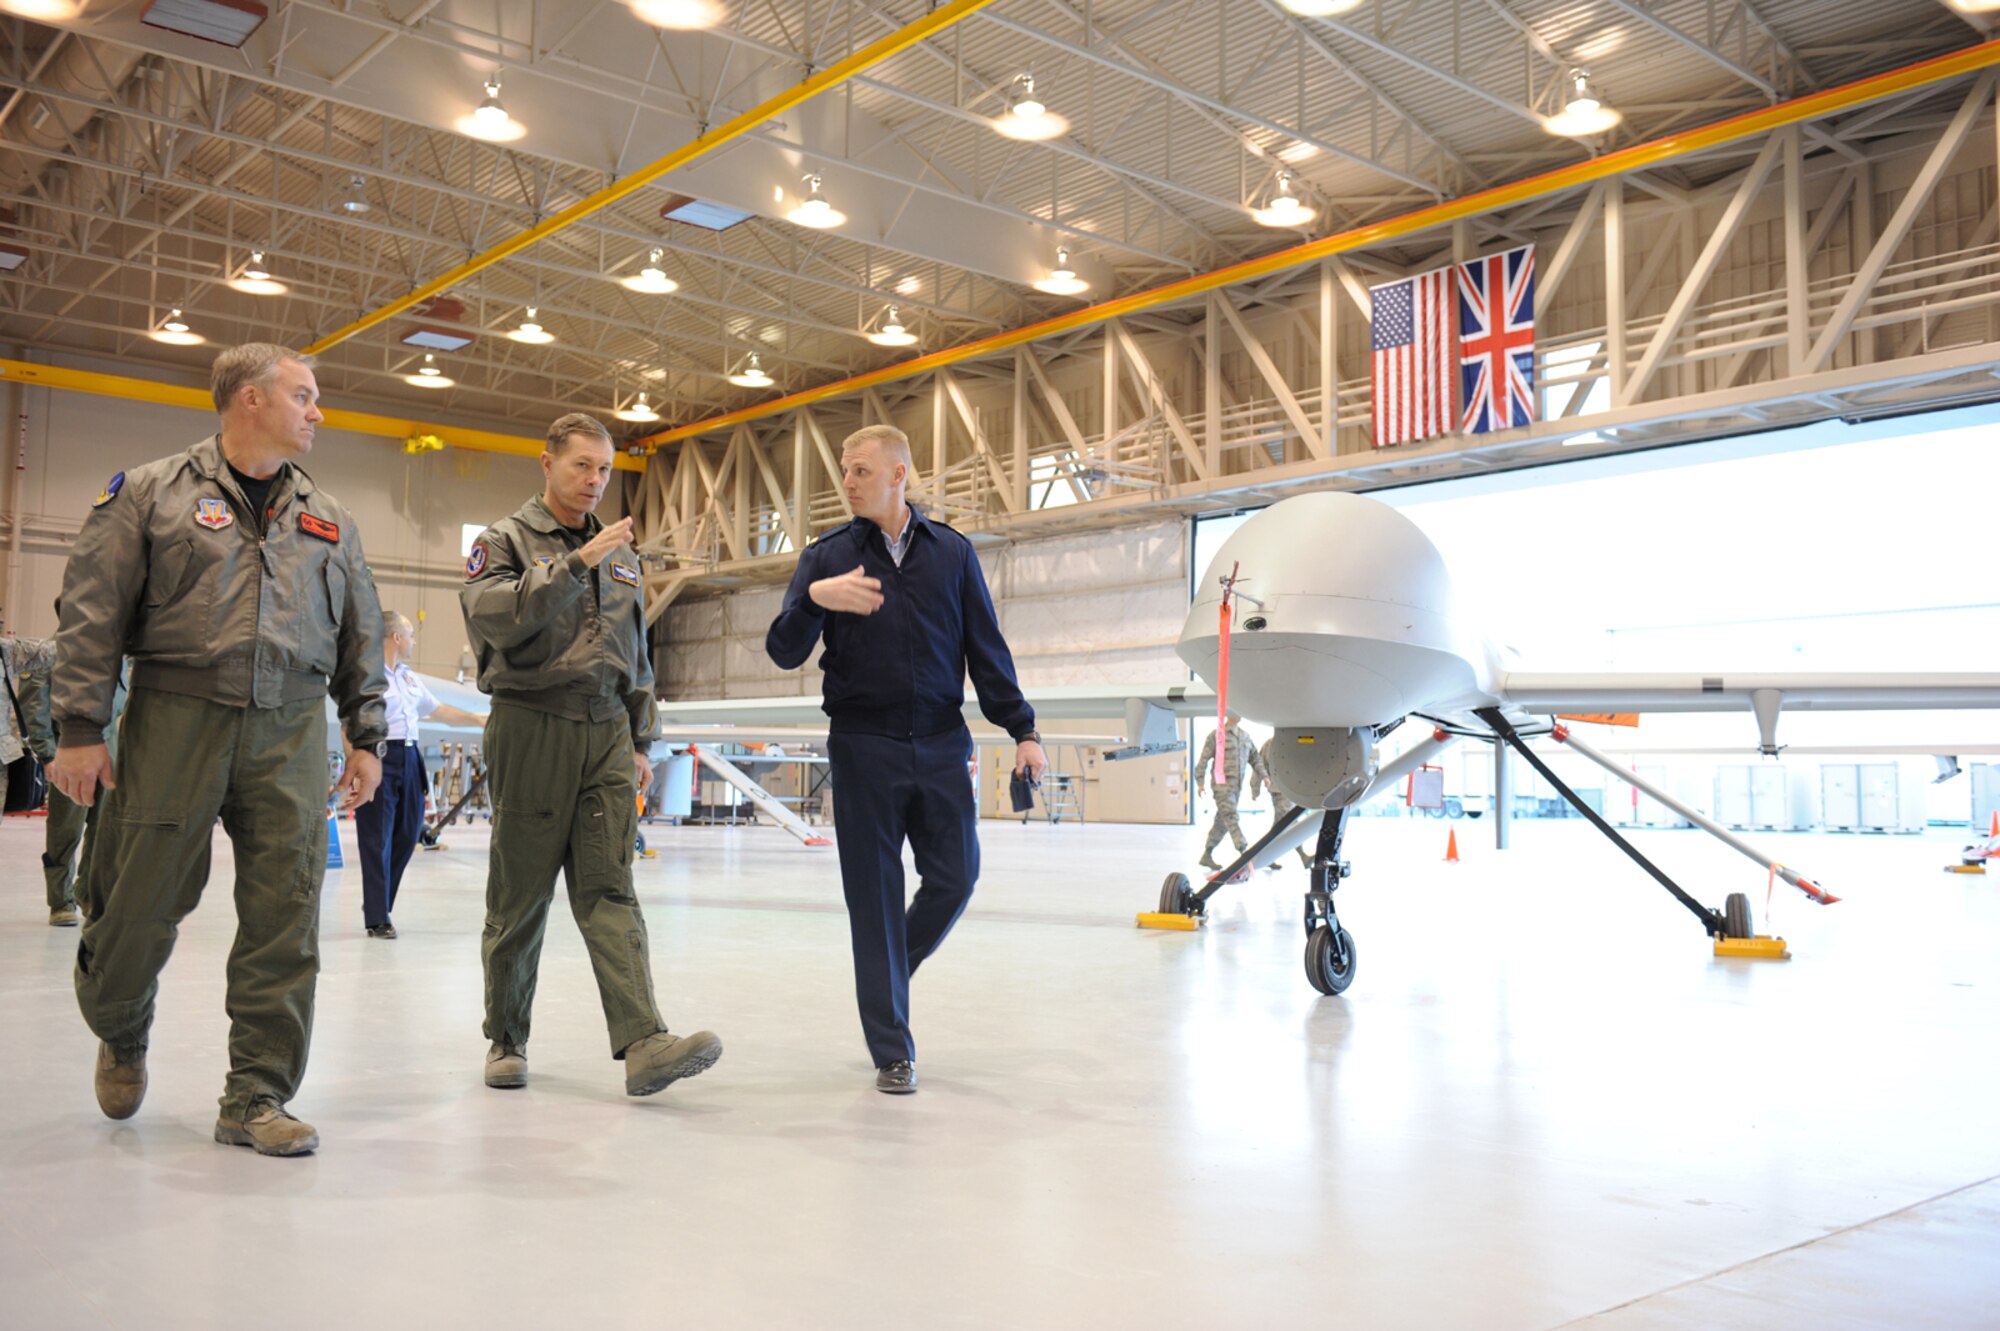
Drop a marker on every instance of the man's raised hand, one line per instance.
(854, 592)
(614, 535)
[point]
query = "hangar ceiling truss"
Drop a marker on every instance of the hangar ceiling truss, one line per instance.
(1848, 267)
(142, 170)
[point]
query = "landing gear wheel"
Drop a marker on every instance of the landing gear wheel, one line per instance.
(1330, 959)
(1176, 895)
(1736, 917)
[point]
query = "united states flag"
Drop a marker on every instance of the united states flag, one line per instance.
(1411, 327)
(1496, 340)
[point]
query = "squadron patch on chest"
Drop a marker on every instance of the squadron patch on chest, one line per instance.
(214, 514)
(475, 563)
(320, 527)
(626, 574)
(110, 491)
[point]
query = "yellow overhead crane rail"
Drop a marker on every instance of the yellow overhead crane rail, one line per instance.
(832, 76)
(1652, 153)
(199, 399)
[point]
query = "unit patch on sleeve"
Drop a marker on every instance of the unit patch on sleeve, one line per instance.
(626, 574)
(475, 563)
(214, 514)
(320, 527)
(110, 491)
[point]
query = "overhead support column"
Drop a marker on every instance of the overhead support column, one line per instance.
(1503, 797)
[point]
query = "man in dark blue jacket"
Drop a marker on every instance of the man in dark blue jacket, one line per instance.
(903, 608)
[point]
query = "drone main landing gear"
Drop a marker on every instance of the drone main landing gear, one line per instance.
(1329, 947)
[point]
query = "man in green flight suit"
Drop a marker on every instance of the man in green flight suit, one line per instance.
(70, 825)
(237, 588)
(553, 607)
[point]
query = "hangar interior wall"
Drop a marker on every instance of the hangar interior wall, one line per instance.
(410, 509)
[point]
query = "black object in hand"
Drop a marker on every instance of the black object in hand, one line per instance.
(1022, 790)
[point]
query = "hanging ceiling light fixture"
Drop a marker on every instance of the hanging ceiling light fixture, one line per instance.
(1062, 279)
(652, 280)
(531, 332)
(640, 411)
(489, 120)
(685, 15)
(1284, 209)
(174, 331)
(1027, 116)
(1584, 113)
(1320, 8)
(814, 210)
(751, 375)
(256, 279)
(354, 201)
(428, 375)
(892, 333)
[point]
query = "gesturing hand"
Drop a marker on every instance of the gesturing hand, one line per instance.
(614, 535)
(854, 592)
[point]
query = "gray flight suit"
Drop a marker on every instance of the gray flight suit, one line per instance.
(1235, 753)
(235, 636)
(1280, 806)
(561, 648)
(70, 825)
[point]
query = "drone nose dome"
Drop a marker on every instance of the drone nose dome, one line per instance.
(1357, 625)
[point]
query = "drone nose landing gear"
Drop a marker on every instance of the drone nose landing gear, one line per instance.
(1329, 947)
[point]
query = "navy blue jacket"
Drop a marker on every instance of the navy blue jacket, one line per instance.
(901, 670)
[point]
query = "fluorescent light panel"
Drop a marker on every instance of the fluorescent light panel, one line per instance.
(224, 22)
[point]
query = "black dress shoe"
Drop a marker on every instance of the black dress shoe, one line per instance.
(898, 1078)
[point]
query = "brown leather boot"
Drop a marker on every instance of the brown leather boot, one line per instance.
(506, 1066)
(269, 1131)
(121, 1082)
(659, 1060)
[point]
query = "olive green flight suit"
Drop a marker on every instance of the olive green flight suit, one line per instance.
(562, 650)
(238, 625)
(70, 825)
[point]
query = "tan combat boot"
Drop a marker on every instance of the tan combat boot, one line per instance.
(660, 1059)
(64, 917)
(121, 1083)
(506, 1066)
(269, 1131)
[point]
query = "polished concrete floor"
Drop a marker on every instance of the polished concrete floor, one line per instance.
(1543, 1104)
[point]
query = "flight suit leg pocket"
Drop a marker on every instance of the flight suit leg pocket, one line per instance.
(607, 837)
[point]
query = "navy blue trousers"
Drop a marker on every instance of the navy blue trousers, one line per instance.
(887, 790)
(387, 828)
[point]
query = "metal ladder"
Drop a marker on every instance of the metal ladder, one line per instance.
(1060, 796)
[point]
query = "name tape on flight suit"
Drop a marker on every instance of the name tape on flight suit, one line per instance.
(110, 491)
(214, 514)
(320, 527)
(625, 573)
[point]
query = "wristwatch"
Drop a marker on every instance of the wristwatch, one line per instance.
(382, 749)
(1027, 735)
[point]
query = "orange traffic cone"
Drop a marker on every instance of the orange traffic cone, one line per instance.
(1994, 831)
(1451, 847)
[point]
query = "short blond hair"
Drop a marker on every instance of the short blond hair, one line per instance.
(888, 438)
(252, 363)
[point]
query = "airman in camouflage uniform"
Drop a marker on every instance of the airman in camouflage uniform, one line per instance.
(1280, 806)
(70, 825)
(1236, 751)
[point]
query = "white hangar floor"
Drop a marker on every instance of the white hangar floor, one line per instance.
(1543, 1104)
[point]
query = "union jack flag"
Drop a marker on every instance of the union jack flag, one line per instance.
(1496, 340)
(1410, 331)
